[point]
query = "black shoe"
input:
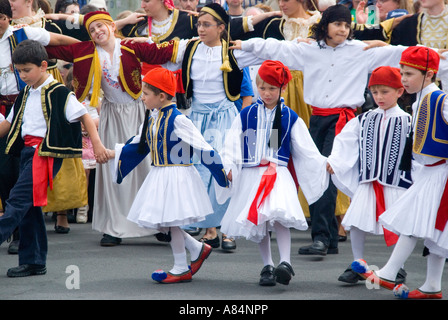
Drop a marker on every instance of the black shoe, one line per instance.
(283, 273)
(349, 276)
(214, 243)
(163, 237)
(317, 248)
(109, 241)
(342, 238)
(13, 247)
(229, 244)
(26, 270)
(401, 276)
(61, 229)
(267, 278)
(193, 231)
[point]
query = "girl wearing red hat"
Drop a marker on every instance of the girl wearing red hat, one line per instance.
(422, 211)
(173, 193)
(364, 164)
(107, 64)
(264, 138)
(335, 70)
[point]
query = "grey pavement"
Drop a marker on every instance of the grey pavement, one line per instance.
(80, 269)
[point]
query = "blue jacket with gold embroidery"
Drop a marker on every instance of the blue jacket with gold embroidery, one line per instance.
(167, 149)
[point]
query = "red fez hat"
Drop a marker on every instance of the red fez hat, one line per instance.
(162, 79)
(386, 76)
(275, 73)
(421, 58)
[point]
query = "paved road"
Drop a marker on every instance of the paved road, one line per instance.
(123, 272)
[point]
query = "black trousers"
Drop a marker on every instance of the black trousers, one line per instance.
(20, 212)
(324, 226)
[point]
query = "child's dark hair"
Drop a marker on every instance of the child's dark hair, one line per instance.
(29, 51)
(157, 90)
(5, 8)
(338, 12)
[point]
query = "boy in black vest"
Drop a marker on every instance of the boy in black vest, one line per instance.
(43, 128)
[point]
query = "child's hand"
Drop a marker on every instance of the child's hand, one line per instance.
(236, 44)
(229, 175)
(110, 154)
(329, 169)
(100, 152)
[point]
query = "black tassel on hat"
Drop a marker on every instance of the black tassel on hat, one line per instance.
(277, 126)
(142, 143)
(406, 158)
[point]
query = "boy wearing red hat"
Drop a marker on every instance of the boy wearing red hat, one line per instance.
(262, 141)
(422, 211)
(172, 194)
(364, 164)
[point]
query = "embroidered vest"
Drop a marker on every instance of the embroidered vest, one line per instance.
(63, 139)
(256, 135)
(380, 157)
(232, 80)
(167, 149)
(431, 128)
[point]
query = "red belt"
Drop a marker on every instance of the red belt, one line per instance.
(390, 237)
(42, 172)
(266, 184)
(442, 212)
(345, 115)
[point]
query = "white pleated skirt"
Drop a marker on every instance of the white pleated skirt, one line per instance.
(170, 196)
(362, 210)
(415, 213)
(281, 205)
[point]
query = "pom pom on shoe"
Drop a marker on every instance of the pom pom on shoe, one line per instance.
(159, 275)
(360, 266)
(401, 291)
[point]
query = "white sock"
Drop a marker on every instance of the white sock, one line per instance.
(434, 271)
(403, 249)
(357, 240)
(283, 235)
(193, 246)
(265, 250)
(178, 247)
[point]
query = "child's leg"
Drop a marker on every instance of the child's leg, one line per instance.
(403, 249)
(283, 235)
(265, 250)
(357, 240)
(193, 246)
(178, 246)
(434, 271)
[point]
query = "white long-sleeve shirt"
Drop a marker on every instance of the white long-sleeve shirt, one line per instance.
(333, 77)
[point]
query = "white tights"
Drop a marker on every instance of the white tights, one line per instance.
(180, 240)
(403, 249)
(283, 235)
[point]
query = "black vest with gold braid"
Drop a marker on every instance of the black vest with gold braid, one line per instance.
(232, 80)
(63, 139)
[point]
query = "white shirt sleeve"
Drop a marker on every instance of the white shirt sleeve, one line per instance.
(74, 109)
(309, 163)
(38, 34)
(2, 118)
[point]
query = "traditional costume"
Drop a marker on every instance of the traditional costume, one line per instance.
(212, 79)
(44, 130)
(365, 160)
(335, 95)
(173, 193)
(121, 112)
(421, 212)
(263, 195)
